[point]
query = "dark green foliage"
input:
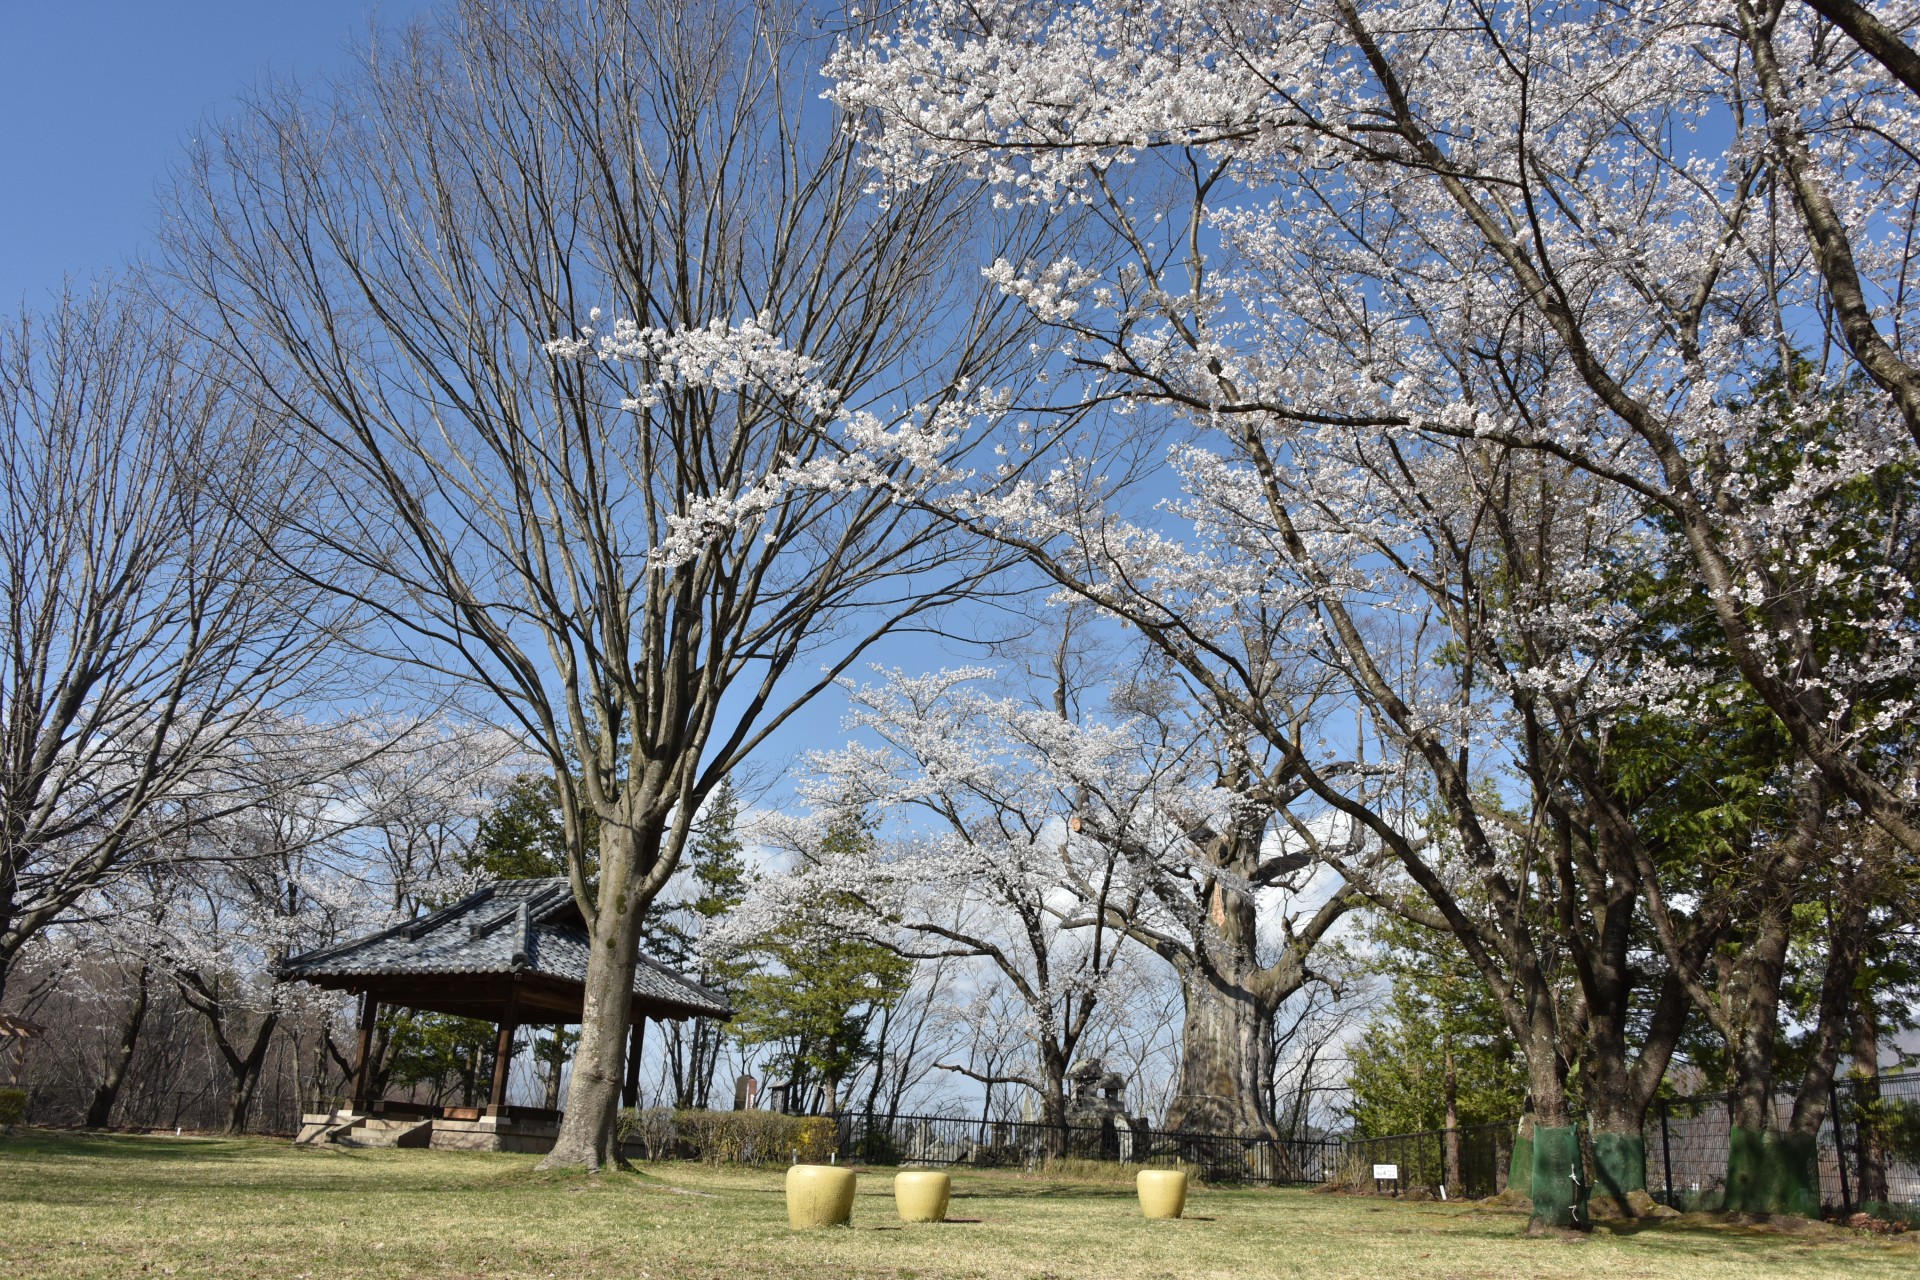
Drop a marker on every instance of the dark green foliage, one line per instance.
(1438, 1008)
(13, 1107)
(523, 837)
(451, 1057)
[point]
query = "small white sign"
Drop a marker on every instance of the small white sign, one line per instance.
(1386, 1173)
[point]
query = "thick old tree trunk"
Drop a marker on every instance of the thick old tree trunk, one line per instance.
(246, 1073)
(1621, 1084)
(1768, 1169)
(1226, 1059)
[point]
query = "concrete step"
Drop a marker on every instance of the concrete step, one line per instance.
(381, 1132)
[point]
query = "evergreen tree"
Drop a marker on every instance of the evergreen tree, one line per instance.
(716, 875)
(1438, 1048)
(816, 994)
(522, 838)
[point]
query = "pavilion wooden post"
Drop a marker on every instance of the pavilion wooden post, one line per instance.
(363, 1059)
(503, 1051)
(636, 1041)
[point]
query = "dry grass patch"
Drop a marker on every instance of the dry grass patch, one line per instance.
(74, 1207)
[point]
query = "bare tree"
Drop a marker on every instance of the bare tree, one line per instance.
(604, 547)
(150, 625)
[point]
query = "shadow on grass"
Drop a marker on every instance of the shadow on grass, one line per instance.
(1698, 1234)
(148, 1148)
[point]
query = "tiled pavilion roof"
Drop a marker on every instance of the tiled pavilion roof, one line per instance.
(511, 933)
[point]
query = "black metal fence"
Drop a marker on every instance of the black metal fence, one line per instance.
(948, 1141)
(1479, 1153)
(1868, 1145)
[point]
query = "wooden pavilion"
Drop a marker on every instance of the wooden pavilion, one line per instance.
(513, 953)
(14, 1034)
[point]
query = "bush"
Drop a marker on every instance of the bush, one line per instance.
(13, 1107)
(730, 1137)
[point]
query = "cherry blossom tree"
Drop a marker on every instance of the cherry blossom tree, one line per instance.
(159, 612)
(558, 293)
(1055, 846)
(289, 873)
(1636, 213)
(1426, 285)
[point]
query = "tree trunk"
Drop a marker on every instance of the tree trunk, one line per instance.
(1869, 1143)
(1225, 1061)
(1621, 1086)
(1557, 1183)
(588, 1138)
(556, 1060)
(100, 1110)
(1053, 1113)
(1753, 1149)
(1453, 1180)
(246, 1074)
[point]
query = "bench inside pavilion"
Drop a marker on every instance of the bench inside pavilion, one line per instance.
(513, 953)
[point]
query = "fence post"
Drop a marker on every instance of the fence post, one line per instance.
(1666, 1153)
(1839, 1149)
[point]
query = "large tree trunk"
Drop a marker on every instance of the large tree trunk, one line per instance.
(1226, 1060)
(1557, 1183)
(1053, 1095)
(588, 1138)
(1621, 1084)
(107, 1092)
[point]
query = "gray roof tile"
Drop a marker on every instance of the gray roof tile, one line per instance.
(508, 926)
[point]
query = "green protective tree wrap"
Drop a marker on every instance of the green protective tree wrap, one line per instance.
(1773, 1171)
(1559, 1178)
(1747, 1171)
(1793, 1161)
(1619, 1164)
(1520, 1166)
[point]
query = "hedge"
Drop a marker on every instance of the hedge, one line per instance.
(729, 1137)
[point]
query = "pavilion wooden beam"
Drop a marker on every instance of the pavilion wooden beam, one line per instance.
(363, 1058)
(636, 1041)
(503, 1051)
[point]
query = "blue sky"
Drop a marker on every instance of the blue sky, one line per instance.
(99, 98)
(96, 97)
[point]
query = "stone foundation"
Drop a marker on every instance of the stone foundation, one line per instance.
(496, 1133)
(533, 1135)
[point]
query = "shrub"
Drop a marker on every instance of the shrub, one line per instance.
(13, 1107)
(730, 1137)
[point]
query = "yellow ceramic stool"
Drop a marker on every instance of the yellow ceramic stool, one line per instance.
(819, 1195)
(921, 1195)
(1163, 1192)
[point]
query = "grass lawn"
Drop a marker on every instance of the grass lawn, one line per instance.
(74, 1206)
